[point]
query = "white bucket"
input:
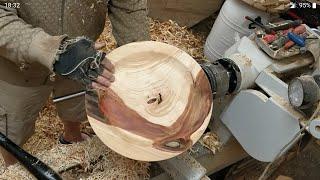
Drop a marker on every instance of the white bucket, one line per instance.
(229, 24)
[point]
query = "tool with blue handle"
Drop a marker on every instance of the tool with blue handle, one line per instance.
(300, 41)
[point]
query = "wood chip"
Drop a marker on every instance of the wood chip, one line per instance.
(211, 141)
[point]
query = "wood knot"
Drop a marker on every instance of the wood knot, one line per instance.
(152, 100)
(157, 99)
(177, 144)
(173, 144)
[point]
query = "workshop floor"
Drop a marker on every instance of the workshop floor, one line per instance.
(306, 166)
(297, 164)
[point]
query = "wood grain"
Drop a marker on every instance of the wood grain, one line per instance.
(159, 105)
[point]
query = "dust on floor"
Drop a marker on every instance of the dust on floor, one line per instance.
(90, 160)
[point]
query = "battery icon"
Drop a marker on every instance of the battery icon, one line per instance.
(314, 5)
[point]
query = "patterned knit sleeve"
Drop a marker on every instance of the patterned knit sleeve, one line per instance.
(24, 44)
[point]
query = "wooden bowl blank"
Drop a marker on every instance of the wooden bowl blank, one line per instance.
(159, 105)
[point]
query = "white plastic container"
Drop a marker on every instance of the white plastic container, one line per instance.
(229, 25)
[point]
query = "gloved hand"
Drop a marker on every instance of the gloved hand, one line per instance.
(78, 59)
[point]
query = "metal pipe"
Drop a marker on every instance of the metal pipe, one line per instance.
(67, 97)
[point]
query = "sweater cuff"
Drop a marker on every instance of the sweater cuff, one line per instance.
(44, 48)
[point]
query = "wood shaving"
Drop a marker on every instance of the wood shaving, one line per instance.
(211, 141)
(168, 32)
(171, 33)
(270, 6)
(94, 159)
(48, 128)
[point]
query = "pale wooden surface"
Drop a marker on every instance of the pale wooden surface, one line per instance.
(161, 98)
(270, 6)
(184, 12)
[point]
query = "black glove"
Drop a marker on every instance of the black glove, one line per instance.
(77, 59)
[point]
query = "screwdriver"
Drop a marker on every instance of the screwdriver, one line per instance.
(300, 41)
(298, 30)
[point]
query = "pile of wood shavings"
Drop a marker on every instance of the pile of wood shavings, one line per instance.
(171, 33)
(168, 32)
(211, 141)
(110, 164)
(270, 6)
(48, 129)
(95, 160)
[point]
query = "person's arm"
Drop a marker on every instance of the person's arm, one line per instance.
(73, 58)
(23, 44)
(129, 20)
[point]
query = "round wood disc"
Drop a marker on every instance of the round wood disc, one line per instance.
(159, 105)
